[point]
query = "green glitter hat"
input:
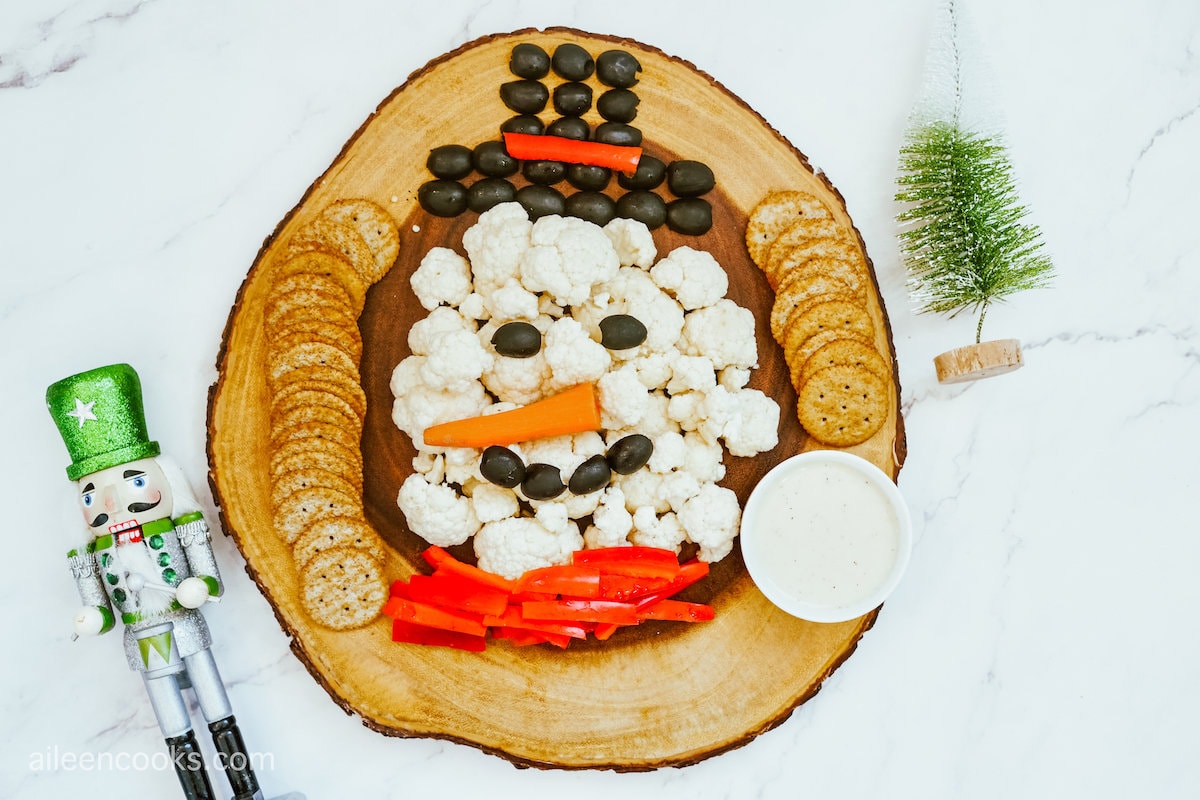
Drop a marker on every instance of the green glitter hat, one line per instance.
(99, 415)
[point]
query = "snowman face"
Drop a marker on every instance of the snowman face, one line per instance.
(124, 496)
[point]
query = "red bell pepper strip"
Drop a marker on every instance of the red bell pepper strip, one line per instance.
(542, 147)
(566, 579)
(676, 611)
(435, 617)
(580, 611)
(521, 637)
(411, 633)
(452, 590)
(442, 561)
(627, 588)
(514, 618)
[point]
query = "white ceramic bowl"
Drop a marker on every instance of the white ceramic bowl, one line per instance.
(826, 536)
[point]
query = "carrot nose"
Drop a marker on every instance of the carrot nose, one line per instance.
(572, 411)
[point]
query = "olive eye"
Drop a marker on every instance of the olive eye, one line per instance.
(517, 340)
(621, 332)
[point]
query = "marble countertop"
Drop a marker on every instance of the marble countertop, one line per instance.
(1043, 642)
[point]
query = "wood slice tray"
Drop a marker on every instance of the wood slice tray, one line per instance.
(660, 694)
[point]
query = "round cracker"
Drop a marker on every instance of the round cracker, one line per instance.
(785, 260)
(343, 588)
(333, 532)
(305, 399)
(842, 405)
(298, 415)
(798, 357)
(322, 430)
(308, 477)
(830, 315)
(845, 351)
(317, 299)
(797, 295)
(319, 259)
(774, 214)
(300, 459)
(321, 379)
(302, 508)
(310, 354)
(800, 232)
(375, 225)
(318, 453)
(343, 239)
(339, 319)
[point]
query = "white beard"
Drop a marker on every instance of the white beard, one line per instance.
(137, 564)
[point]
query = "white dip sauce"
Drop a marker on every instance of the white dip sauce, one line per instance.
(829, 537)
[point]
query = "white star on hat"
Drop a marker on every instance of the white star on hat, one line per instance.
(83, 412)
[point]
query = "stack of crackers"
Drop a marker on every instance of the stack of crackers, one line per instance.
(820, 317)
(318, 288)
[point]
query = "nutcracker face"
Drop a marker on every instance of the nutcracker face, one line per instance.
(124, 496)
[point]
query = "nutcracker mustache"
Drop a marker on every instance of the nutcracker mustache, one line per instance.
(137, 508)
(99, 520)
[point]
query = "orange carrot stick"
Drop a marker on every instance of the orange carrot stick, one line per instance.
(543, 147)
(573, 411)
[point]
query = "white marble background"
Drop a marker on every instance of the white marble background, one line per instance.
(1044, 642)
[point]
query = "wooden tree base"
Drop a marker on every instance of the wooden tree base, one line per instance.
(978, 361)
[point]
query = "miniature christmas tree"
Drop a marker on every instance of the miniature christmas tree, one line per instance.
(963, 238)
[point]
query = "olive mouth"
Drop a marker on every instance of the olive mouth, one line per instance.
(540, 481)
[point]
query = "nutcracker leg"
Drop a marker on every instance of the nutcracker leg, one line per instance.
(176, 726)
(214, 704)
(189, 766)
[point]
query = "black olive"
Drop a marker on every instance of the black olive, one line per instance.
(525, 123)
(542, 482)
(689, 178)
(588, 177)
(646, 207)
(592, 206)
(618, 105)
(572, 99)
(544, 172)
(630, 453)
(541, 201)
(572, 62)
(489, 192)
(443, 198)
(450, 161)
(621, 332)
(617, 133)
(493, 160)
(649, 175)
(590, 476)
(691, 216)
(617, 68)
(524, 96)
(529, 61)
(517, 340)
(569, 128)
(502, 466)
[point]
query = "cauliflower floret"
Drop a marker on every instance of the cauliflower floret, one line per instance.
(473, 308)
(711, 519)
(651, 530)
(495, 244)
(653, 369)
(493, 503)
(424, 334)
(669, 453)
(430, 464)
(510, 547)
(717, 410)
(623, 398)
(632, 241)
(633, 292)
(552, 516)
(642, 488)
(678, 487)
(611, 522)
(417, 406)
(734, 378)
(691, 373)
(566, 257)
(511, 301)
(517, 380)
(443, 277)
(686, 410)
(462, 465)
(573, 356)
(755, 426)
(724, 332)
(656, 419)
(703, 458)
(693, 277)
(456, 360)
(436, 512)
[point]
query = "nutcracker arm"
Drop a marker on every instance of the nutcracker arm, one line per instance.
(194, 537)
(96, 615)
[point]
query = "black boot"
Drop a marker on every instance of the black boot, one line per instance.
(234, 758)
(189, 766)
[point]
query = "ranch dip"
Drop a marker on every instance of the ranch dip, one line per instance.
(825, 535)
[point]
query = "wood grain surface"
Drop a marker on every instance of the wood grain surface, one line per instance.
(657, 695)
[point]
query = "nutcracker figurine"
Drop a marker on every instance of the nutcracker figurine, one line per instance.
(148, 563)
